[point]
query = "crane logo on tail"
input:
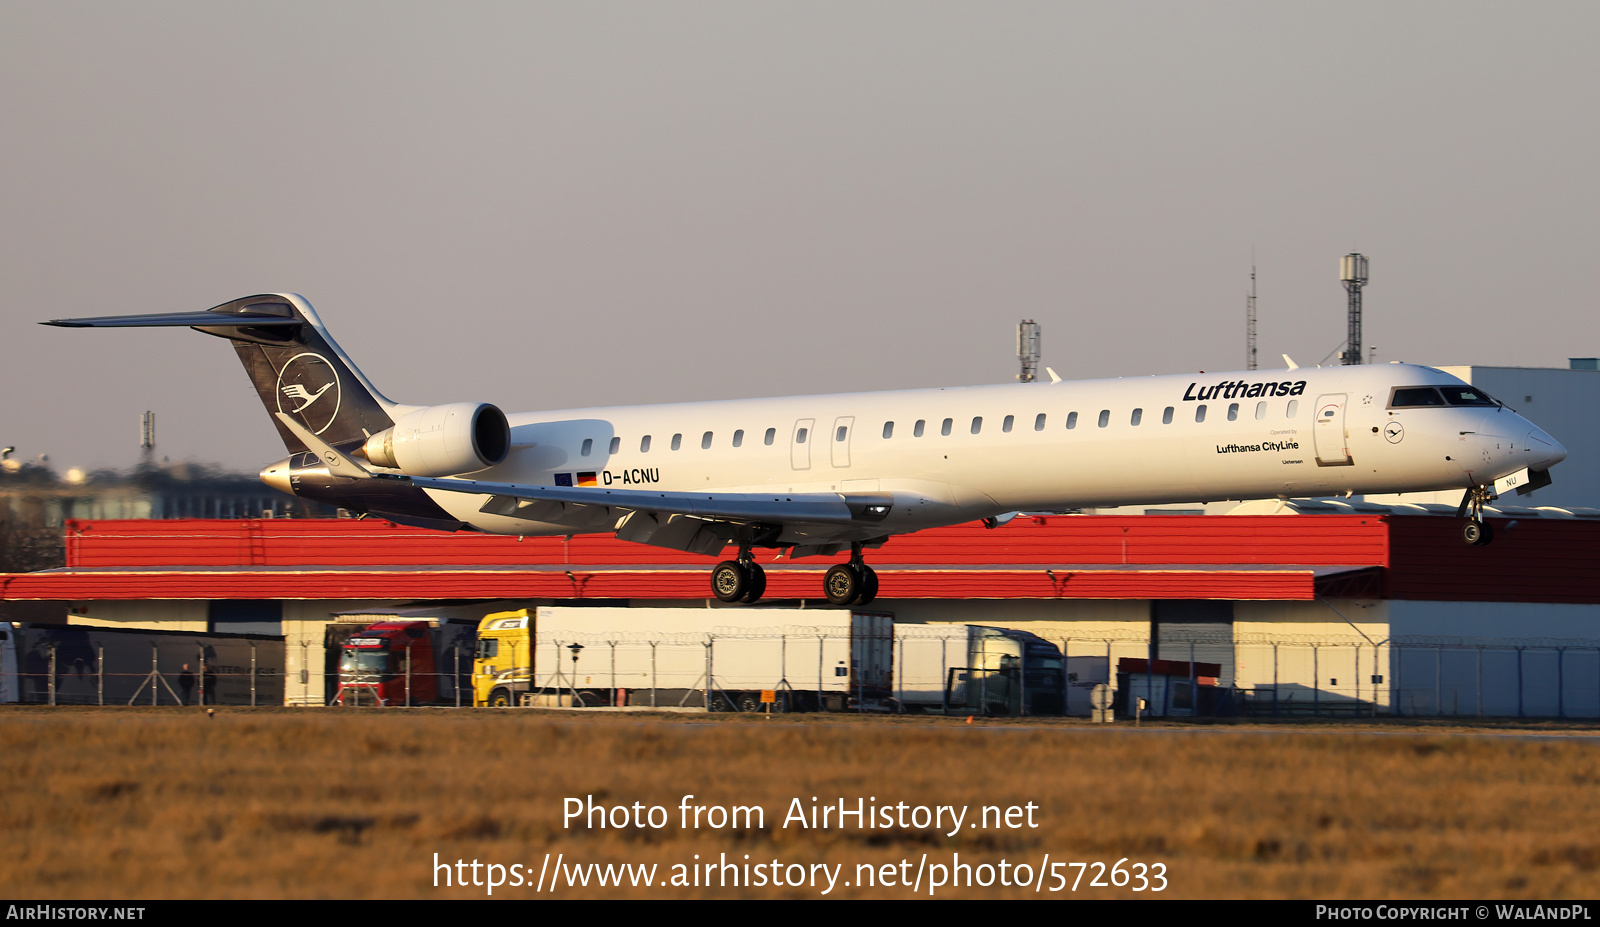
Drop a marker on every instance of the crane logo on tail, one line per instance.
(308, 388)
(296, 391)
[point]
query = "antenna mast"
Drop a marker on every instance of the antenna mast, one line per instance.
(1028, 349)
(1353, 273)
(1250, 318)
(147, 436)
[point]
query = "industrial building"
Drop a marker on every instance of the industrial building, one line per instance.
(1367, 611)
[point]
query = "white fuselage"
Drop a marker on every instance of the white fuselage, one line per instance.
(956, 454)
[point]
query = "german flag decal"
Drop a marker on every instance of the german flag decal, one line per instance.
(587, 478)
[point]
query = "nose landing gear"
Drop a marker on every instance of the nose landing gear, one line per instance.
(1476, 532)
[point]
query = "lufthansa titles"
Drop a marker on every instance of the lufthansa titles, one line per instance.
(1239, 389)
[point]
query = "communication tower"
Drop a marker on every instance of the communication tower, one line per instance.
(1353, 273)
(1028, 349)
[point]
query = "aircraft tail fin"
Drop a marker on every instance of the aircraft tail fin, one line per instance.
(295, 365)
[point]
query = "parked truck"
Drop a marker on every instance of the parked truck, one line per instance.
(58, 664)
(976, 669)
(408, 661)
(749, 659)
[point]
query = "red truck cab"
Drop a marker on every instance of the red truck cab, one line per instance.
(374, 664)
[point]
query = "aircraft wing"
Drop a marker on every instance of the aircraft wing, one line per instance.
(548, 503)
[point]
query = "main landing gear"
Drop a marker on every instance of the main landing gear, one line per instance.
(743, 580)
(1476, 531)
(852, 583)
(740, 580)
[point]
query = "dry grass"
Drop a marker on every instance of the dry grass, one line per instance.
(276, 803)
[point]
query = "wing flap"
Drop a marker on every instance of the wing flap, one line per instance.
(584, 517)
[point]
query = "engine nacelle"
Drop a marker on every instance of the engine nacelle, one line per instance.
(460, 437)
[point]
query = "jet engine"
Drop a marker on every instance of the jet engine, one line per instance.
(461, 437)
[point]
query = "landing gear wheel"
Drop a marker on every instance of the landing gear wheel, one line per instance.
(841, 584)
(758, 583)
(730, 582)
(1477, 533)
(869, 585)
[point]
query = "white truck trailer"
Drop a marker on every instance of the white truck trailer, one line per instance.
(727, 659)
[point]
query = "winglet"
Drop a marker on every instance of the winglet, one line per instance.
(1290, 361)
(339, 464)
(1054, 378)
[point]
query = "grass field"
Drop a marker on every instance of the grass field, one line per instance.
(312, 803)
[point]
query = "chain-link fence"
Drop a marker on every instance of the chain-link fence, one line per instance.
(919, 668)
(1352, 675)
(84, 668)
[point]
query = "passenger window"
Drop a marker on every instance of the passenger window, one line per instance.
(1005, 426)
(839, 436)
(1072, 420)
(888, 430)
(1105, 417)
(944, 429)
(771, 434)
(616, 444)
(1137, 414)
(677, 441)
(977, 424)
(916, 432)
(800, 436)
(644, 444)
(1200, 413)
(738, 438)
(1166, 416)
(1294, 406)
(1038, 422)
(1261, 411)
(588, 445)
(1233, 411)
(705, 441)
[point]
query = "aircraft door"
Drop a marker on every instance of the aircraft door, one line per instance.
(1329, 434)
(840, 443)
(800, 444)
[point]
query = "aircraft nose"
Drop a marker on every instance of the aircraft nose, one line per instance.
(1544, 450)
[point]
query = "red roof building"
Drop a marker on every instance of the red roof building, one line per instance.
(1057, 557)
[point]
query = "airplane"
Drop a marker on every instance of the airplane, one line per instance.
(812, 475)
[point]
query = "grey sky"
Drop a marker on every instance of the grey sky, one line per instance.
(551, 205)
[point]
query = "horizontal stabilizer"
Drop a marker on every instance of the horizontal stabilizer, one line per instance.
(177, 319)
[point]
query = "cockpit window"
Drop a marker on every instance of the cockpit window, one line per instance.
(1467, 396)
(1412, 396)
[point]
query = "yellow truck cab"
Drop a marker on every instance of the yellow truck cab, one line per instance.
(504, 663)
